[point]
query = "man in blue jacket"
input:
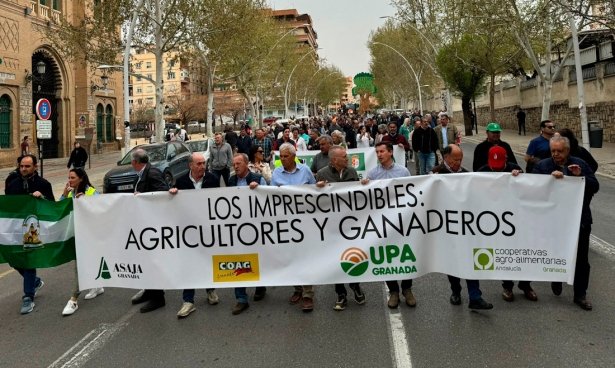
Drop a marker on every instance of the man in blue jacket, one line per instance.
(559, 165)
(196, 178)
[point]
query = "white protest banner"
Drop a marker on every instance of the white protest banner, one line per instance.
(473, 226)
(362, 159)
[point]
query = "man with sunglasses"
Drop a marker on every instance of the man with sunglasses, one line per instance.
(539, 146)
(481, 152)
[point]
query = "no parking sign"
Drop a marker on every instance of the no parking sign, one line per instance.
(43, 109)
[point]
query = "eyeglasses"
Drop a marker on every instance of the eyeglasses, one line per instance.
(550, 127)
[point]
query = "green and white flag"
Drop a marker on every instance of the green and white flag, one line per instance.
(36, 233)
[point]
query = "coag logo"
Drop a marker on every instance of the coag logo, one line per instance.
(483, 259)
(236, 267)
(354, 262)
(103, 270)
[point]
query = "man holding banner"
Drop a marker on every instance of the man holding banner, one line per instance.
(292, 173)
(387, 169)
(338, 171)
(559, 165)
(30, 183)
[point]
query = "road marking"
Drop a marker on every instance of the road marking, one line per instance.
(397, 336)
(84, 350)
(6, 273)
(602, 247)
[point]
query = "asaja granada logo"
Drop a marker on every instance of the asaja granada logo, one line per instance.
(390, 259)
(354, 262)
(483, 259)
(236, 267)
(121, 270)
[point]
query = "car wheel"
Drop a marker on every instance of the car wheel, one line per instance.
(169, 179)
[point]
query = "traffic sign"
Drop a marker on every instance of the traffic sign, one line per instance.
(43, 109)
(43, 129)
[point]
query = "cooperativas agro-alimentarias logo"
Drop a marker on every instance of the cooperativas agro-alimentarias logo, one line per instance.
(483, 259)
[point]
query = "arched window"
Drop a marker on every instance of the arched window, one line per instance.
(109, 124)
(5, 122)
(99, 122)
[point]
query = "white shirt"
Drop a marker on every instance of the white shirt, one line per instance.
(197, 184)
(444, 139)
(364, 142)
(301, 146)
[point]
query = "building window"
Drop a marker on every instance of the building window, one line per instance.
(171, 75)
(151, 99)
(109, 124)
(150, 89)
(150, 76)
(139, 90)
(140, 101)
(148, 65)
(5, 122)
(138, 79)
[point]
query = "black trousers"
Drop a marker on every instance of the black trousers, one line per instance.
(508, 285)
(223, 173)
(340, 289)
(521, 125)
(155, 294)
(394, 287)
(581, 272)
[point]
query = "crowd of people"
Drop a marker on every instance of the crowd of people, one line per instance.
(431, 141)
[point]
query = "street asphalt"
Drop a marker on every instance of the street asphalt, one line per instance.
(110, 332)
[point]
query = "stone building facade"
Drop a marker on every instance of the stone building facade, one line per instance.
(73, 89)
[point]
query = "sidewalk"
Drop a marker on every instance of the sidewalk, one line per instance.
(605, 156)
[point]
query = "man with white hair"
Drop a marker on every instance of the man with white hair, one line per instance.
(293, 173)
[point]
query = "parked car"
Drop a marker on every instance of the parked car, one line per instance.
(200, 146)
(193, 124)
(171, 158)
(271, 119)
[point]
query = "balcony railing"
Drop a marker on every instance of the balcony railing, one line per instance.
(509, 84)
(609, 69)
(44, 11)
(55, 15)
(531, 83)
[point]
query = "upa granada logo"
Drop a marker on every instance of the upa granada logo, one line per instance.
(354, 261)
(121, 270)
(483, 259)
(236, 267)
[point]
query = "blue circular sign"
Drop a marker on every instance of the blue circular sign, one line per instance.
(43, 109)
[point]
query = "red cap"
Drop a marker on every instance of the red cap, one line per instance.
(497, 157)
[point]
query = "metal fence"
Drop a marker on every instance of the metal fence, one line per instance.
(609, 69)
(509, 84)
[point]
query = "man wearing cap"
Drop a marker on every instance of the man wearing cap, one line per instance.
(498, 162)
(451, 164)
(447, 134)
(481, 152)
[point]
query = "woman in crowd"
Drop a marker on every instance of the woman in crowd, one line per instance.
(405, 129)
(578, 151)
(313, 144)
(364, 140)
(78, 186)
(257, 165)
(299, 141)
(382, 131)
(338, 138)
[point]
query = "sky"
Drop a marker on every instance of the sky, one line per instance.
(343, 27)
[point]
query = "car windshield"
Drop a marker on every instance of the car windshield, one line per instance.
(197, 146)
(155, 153)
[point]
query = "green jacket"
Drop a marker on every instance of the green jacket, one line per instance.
(451, 136)
(330, 174)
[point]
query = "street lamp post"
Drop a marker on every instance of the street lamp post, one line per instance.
(288, 82)
(418, 83)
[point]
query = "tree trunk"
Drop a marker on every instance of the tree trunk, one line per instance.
(158, 52)
(210, 104)
(546, 102)
(492, 99)
(467, 119)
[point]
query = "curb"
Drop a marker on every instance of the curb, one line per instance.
(473, 140)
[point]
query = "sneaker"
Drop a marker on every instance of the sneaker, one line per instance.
(480, 303)
(212, 297)
(410, 300)
(240, 308)
(93, 293)
(341, 303)
(393, 299)
(359, 295)
(28, 305)
(40, 286)
(186, 309)
(70, 308)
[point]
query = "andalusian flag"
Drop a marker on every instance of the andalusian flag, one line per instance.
(36, 233)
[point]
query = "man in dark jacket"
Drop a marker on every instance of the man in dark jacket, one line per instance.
(559, 165)
(149, 179)
(30, 183)
(451, 164)
(196, 178)
(395, 138)
(338, 171)
(498, 162)
(78, 157)
(425, 144)
(244, 141)
(244, 177)
(231, 139)
(481, 152)
(285, 139)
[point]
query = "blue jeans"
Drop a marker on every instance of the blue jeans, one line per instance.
(30, 281)
(241, 295)
(427, 161)
(473, 287)
(189, 295)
